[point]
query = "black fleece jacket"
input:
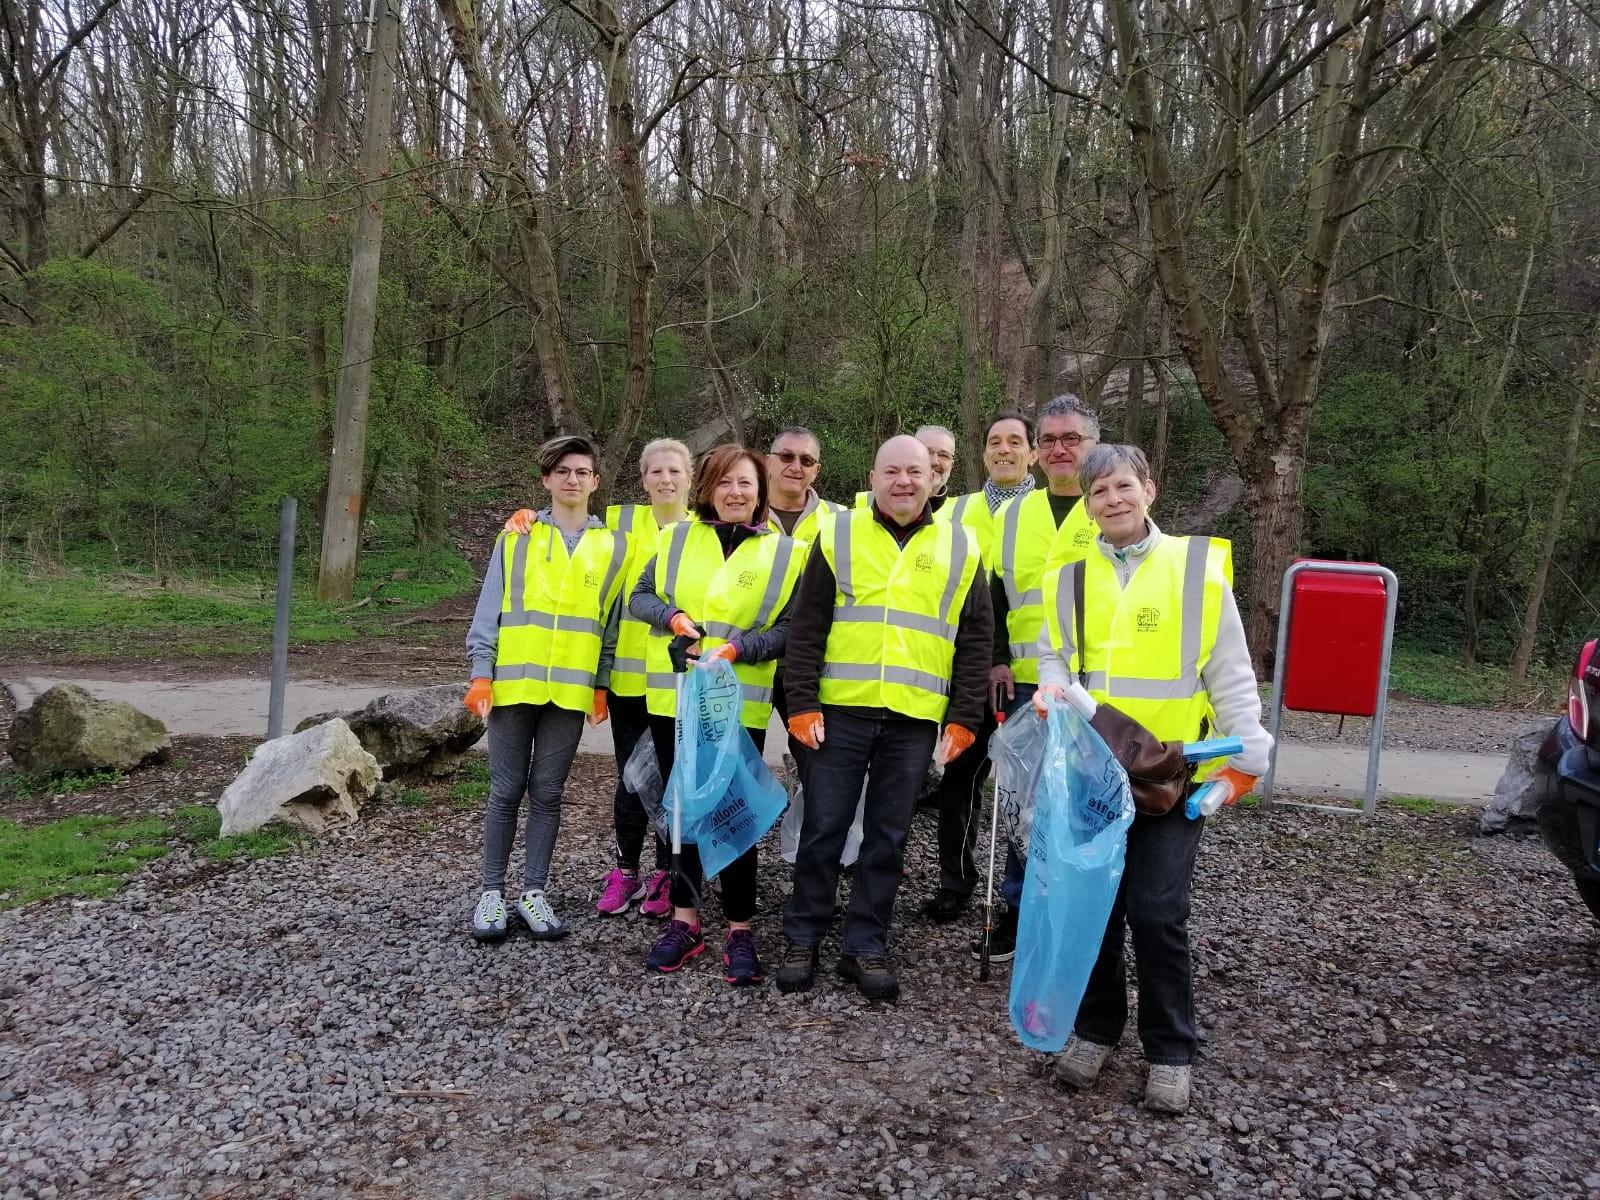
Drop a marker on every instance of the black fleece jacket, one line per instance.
(812, 618)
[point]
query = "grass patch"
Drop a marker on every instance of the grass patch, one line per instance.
(202, 825)
(1421, 805)
(412, 798)
(1445, 679)
(25, 786)
(473, 786)
(79, 856)
(218, 614)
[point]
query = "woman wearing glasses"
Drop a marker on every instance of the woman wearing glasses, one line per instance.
(541, 645)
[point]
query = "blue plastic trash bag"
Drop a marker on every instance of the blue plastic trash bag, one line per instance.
(706, 745)
(1076, 849)
(1017, 749)
(748, 809)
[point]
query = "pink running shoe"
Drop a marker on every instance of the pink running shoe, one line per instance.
(622, 889)
(657, 893)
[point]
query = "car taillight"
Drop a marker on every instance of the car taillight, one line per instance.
(1578, 691)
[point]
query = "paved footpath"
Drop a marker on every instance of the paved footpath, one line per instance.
(220, 707)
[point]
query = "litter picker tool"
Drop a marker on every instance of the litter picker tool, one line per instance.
(988, 890)
(678, 652)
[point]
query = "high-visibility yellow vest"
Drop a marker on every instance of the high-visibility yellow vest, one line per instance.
(1149, 642)
(742, 593)
(1030, 544)
(638, 523)
(972, 511)
(553, 611)
(895, 613)
(809, 522)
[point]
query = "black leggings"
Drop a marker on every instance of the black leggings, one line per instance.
(629, 720)
(739, 876)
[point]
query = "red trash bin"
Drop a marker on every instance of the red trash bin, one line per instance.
(1335, 650)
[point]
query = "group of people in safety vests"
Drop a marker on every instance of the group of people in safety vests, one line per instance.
(886, 635)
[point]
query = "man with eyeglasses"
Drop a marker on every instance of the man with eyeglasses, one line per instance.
(792, 466)
(1033, 532)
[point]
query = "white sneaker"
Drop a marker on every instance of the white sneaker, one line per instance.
(1081, 1062)
(489, 918)
(540, 918)
(1167, 1089)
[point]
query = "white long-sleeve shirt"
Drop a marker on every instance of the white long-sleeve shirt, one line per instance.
(1229, 678)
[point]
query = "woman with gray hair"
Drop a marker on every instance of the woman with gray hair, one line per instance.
(1148, 623)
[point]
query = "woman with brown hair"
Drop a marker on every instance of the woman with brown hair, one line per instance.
(724, 578)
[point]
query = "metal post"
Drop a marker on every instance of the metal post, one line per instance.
(280, 618)
(1391, 601)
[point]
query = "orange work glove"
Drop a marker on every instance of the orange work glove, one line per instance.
(957, 738)
(520, 521)
(601, 707)
(683, 625)
(727, 652)
(1239, 784)
(480, 697)
(807, 729)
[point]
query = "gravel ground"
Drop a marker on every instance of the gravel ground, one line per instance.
(1391, 1010)
(1417, 725)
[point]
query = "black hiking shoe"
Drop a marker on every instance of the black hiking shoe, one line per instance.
(798, 971)
(1002, 938)
(871, 975)
(945, 906)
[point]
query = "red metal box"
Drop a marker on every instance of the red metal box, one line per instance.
(1335, 643)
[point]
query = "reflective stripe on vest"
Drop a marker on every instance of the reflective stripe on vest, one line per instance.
(1149, 642)
(809, 522)
(895, 614)
(726, 597)
(1031, 544)
(552, 614)
(972, 511)
(638, 521)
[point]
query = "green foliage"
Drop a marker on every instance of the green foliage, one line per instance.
(412, 798)
(472, 788)
(79, 856)
(1441, 678)
(1422, 806)
(23, 785)
(201, 824)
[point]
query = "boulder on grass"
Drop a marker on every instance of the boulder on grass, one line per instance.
(418, 734)
(1514, 808)
(317, 780)
(68, 730)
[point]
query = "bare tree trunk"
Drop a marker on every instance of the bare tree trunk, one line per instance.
(341, 525)
(1517, 674)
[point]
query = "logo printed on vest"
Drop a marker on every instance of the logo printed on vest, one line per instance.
(747, 579)
(1149, 619)
(1082, 537)
(591, 580)
(924, 562)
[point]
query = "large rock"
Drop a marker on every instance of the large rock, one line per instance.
(1514, 807)
(317, 779)
(415, 734)
(69, 730)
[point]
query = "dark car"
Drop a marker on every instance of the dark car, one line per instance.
(1567, 776)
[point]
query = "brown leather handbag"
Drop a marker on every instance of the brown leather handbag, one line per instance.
(1158, 776)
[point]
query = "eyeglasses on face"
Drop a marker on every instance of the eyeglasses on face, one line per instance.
(579, 473)
(790, 456)
(1070, 440)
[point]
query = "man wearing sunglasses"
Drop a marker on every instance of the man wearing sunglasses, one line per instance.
(792, 466)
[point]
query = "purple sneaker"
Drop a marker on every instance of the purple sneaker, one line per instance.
(674, 948)
(741, 966)
(622, 889)
(657, 895)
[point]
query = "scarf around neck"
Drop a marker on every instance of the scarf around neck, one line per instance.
(996, 495)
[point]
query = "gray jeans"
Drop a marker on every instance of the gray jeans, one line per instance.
(531, 747)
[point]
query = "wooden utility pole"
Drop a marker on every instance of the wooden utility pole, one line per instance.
(341, 525)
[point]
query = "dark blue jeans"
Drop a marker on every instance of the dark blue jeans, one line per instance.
(892, 756)
(1153, 904)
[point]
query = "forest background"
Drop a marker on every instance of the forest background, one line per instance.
(1336, 265)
